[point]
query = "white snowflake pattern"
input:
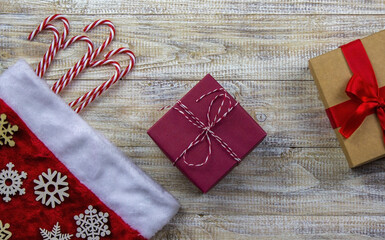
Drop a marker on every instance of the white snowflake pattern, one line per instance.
(11, 181)
(4, 233)
(6, 131)
(55, 234)
(54, 188)
(92, 224)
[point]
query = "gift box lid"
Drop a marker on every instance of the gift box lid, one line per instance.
(331, 73)
(173, 133)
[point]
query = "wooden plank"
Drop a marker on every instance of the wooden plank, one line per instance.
(186, 47)
(289, 111)
(297, 184)
(276, 181)
(196, 226)
(166, 7)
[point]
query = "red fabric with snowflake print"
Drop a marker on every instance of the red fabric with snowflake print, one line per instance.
(26, 215)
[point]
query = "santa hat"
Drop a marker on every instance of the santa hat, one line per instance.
(59, 178)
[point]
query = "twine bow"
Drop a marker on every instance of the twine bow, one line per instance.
(207, 133)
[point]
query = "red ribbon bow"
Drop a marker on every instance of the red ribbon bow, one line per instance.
(207, 131)
(365, 96)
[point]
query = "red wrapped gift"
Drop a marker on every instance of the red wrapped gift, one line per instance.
(206, 133)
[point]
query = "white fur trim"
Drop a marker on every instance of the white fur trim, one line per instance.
(98, 164)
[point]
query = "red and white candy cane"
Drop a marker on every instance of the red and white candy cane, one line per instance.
(88, 60)
(90, 96)
(42, 26)
(123, 51)
(78, 67)
(55, 46)
(85, 61)
(107, 41)
(51, 52)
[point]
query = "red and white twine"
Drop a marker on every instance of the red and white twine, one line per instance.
(207, 131)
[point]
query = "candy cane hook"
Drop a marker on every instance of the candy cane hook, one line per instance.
(52, 50)
(123, 51)
(107, 41)
(42, 26)
(50, 54)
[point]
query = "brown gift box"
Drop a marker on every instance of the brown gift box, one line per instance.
(331, 74)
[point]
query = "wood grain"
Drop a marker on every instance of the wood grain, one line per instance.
(299, 193)
(186, 47)
(165, 7)
(277, 181)
(132, 107)
(273, 227)
(297, 184)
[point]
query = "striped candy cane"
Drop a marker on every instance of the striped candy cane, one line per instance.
(123, 51)
(55, 46)
(41, 27)
(88, 60)
(51, 52)
(107, 41)
(90, 96)
(78, 67)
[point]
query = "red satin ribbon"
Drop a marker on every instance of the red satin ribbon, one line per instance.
(365, 96)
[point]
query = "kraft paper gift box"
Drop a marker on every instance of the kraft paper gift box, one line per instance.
(361, 64)
(184, 140)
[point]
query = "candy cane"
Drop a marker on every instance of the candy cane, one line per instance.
(90, 96)
(104, 44)
(52, 50)
(50, 54)
(78, 67)
(107, 41)
(41, 27)
(86, 61)
(106, 85)
(125, 51)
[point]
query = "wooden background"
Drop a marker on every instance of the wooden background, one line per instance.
(297, 184)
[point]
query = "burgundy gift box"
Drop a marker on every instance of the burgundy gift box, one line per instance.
(206, 148)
